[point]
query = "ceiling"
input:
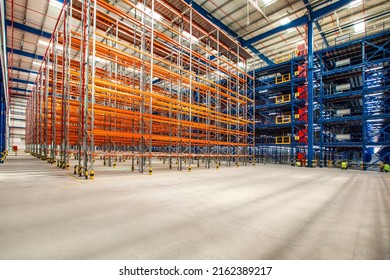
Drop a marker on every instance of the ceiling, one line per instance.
(31, 23)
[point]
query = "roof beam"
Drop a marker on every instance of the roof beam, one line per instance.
(260, 55)
(24, 70)
(27, 54)
(226, 29)
(219, 6)
(295, 23)
(329, 9)
(22, 81)
(318, 26)
(366, 20)
(255, 5)
(29, 29)
(299, 21)
(20, 89)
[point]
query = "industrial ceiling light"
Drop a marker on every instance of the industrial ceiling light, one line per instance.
(55, 4)
(32, 75)
(42, 42)
(355, 3)
(46, 43)
(148, 11)
(284, 21)
(359, 27)
(374, 69)
(268, 2)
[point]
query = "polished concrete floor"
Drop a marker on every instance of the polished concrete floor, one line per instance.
(261, 212)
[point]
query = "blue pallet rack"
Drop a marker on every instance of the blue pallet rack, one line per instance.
(350, 105)
(354, 100)
(277, 97)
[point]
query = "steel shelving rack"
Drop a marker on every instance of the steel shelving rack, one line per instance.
(354, 99)
(281, 109)
(351, 105)
(129, 84)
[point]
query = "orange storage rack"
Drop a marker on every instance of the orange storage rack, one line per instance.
(137, 85)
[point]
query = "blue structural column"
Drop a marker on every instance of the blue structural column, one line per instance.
(364, 121)
(3, 125)
(3, 119)
(310, 11)
(3, 84)
(310, 95)
(322, 161)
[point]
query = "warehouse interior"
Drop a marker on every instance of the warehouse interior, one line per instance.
(195, 129)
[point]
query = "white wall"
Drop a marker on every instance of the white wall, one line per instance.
(17, 123)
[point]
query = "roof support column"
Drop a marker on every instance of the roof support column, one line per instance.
(3, 119)
(310, 96)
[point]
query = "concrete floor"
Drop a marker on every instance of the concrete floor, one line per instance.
(261, 212)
